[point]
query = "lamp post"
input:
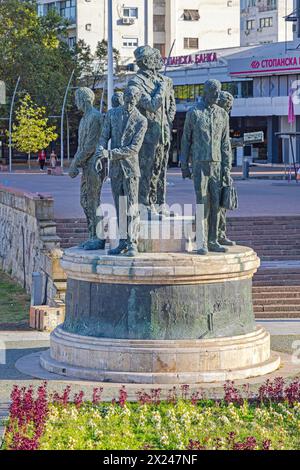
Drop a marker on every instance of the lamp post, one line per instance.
(110, 53)
(62, 122)
(10, 123)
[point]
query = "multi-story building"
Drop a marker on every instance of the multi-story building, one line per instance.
(195, 25)
(263, 21)
(132, 22)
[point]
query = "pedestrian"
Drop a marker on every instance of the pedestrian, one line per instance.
(42, 159)
(53, 160)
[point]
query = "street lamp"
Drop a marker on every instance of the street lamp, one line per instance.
(110, 53)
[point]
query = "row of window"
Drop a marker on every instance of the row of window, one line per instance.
(66, 9)
(259, 87)
(269, 4)
(189, 93)
(263, 23)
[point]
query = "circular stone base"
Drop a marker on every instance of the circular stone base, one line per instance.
(160, 362)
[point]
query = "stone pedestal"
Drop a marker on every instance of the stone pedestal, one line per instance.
(169, 235)
(160, 318)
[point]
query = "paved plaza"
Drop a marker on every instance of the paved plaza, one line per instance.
(257, 197)
(22, 343)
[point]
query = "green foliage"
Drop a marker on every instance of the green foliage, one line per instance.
(32, 132)
(35, 49)
(14, 301)
(168, 426)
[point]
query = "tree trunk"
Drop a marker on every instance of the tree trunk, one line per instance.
(29, 166)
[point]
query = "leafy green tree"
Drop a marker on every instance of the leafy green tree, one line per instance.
(36, 49)
(31, 131)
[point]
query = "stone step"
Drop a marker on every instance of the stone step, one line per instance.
(277, 308)
(271, 289)
(276, 315)
(279, 301)
(280, 257)
(273, 283)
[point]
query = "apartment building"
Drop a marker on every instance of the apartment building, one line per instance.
(195, 25)
(263, 21)
(132, 22)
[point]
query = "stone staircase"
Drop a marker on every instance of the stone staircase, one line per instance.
(276, 286)
(273, 238)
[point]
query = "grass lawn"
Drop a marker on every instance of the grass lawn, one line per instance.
(14, 301)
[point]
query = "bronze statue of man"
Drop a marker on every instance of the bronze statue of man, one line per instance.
(226, 102)
(206, 144)
(154, 104)
(158, 187)
(91, 183)
(117, 99)
(125, 127)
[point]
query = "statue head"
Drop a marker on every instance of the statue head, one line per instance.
(145, 58)
(226, 101)
(84, 98)
(132, 96)
(117, 99)
(211, 92)
(158, 61)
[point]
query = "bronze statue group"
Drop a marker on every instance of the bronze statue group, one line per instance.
(134, 143)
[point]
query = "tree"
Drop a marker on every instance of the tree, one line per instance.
(36, 49)
(32, 132)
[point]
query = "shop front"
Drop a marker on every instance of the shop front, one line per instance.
(261, 79)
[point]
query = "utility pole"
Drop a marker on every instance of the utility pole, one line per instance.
(146, 20)
(10, 123)
(62, 122)
(110, 52)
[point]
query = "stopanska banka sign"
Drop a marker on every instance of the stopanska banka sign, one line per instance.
(279, 62)
(264, 65)
(198, 59)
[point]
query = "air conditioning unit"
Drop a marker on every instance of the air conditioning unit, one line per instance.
(126, 20)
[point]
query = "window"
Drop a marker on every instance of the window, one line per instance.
(41, 10)
(130, 12)
(191, 43)
(68, 9)
(250, 24)
(159, 23)
(49, 7)
(88, 27)
(191, 15)
(130, 42)
(266, 22)
(72, 42)
(161, 48)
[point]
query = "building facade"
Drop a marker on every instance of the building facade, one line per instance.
(132, 23)
(193, 24)
(261, 79)
(263, 21)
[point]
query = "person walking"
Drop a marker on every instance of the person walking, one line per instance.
(42, 159)
(53, 160)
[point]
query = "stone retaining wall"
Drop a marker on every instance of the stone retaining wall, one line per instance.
(29, 243)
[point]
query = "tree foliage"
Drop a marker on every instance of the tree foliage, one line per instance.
(31, 131)
(35, 49)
